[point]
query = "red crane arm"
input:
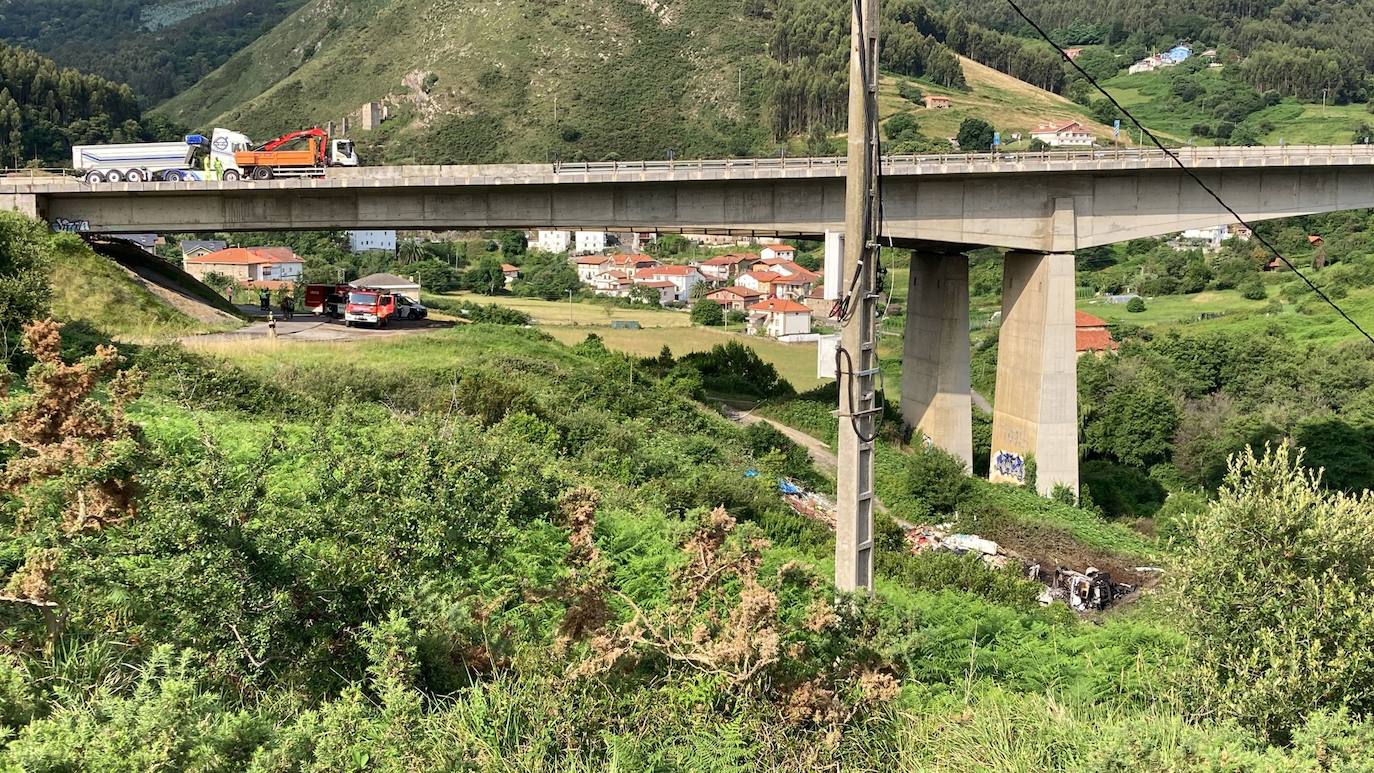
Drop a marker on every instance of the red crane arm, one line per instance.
(319, 134)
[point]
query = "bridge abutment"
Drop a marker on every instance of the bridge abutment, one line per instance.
(936, 393)
(1035, 412)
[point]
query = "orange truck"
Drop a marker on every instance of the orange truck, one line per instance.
(271, 159)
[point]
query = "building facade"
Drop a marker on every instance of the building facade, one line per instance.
(369, 241)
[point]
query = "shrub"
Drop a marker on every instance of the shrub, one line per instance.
(910, 92)
(1252, 289)
(1136, 305)
(734, 368)
(1276, 597)
(937, 479)
(707, 313)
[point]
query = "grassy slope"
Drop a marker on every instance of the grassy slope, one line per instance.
(1009, 104)
(626, 79)
(89, 287)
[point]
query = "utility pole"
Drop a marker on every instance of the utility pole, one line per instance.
(858, 355)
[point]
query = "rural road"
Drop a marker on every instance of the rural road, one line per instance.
(309, 327)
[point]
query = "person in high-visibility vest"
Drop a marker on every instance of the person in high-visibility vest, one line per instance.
(219, 169)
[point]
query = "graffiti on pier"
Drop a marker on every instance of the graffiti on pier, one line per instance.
(71, 226)
(1010, 465)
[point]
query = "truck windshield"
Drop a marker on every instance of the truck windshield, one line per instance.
(346, 148)
(366, 299)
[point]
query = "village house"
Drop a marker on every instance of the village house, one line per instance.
(632, 262)
(667, 291)
(370, 241)
(589, 266)
(196, 248)
(778, 317)
(937, 102)
(146, 242)
(817, 303)
(724, 268)
(556, 242)
(248, 264)
(735, 297)
(1063, 134)
(511, 273)
(1091, 334)
(683, 279)
(794, 286)
(613, 284)
(759, 281)
(784, 251)
(1073, 53)
(1154, 62)
(390, 283)
(588, 242)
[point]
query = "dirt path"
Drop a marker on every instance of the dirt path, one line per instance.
(310, 327)
(817, 449)
(981, 402)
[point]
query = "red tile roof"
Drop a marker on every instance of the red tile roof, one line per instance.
(780, 305)
(672, 270)
(248, 256)
(633, 260)
(803, 277)
(780, 247)
(507, 268)
(1084, 319)
(742, 292)
(766, 277)
(657, 285)
(1094, 340)
(1062, 126)
(591, 260)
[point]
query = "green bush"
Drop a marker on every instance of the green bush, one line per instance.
(1275, 593)
(937, 479)
(708, 313)
(1252, 289)
(1136, 305)
(1121, 490)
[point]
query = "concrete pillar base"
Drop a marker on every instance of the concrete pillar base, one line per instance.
(936, 394)
(1036, 406)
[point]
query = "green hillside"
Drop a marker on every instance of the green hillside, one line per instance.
(475, 81)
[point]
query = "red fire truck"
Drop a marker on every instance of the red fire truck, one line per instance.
(328, 300)
(369, 307)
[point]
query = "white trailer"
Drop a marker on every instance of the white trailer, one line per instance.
(141, 161)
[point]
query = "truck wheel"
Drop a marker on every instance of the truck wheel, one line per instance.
(134, 175)
(232, 175)
(94, 177)
(171, 176)
(114, 176)
(262, 173)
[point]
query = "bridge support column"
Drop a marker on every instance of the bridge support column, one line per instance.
(936, 396)
(23, 203)
(1036, 407)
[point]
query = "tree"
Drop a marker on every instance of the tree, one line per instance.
(217, 281)
(910, 92)
(512, 243)
(409, 251)
(1274, 594)
(436, 275)
(975, 135)
(1136, 305)
(1038, 145)
(486, 277)
(707, 313)
(901, 127)
(24, 257)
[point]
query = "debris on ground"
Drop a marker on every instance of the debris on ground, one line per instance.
(1089, 590)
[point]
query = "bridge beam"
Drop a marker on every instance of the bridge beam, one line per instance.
(936, 393)
(1035, 412)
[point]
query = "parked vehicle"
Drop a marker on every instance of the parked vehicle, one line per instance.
(328, 300)
(408, 309)
(225, 155)
(269, 160)
(138, 162)
(369, 307)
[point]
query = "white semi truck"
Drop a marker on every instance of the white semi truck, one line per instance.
(226, 155)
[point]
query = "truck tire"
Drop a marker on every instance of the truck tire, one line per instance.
(135, 176)
(231, 175)
(262, 173)
(94, 177)
(114, 176)
(171, 176)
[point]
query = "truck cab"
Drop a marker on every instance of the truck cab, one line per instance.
(369, 307)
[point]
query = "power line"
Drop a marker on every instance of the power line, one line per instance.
(1186, 170)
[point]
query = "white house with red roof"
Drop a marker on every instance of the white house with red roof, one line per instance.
(735, 297)
(784, 251)
(614, 284)
(779, 317)
(1063, 134)
(759, 280)
(589, 266)
(683, 278)
(667, 290)
(511, 272)
(632, 261)
(723, 268)
(1091, 334)
(248, 264)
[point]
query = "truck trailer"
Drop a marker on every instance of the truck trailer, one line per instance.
(138, 162)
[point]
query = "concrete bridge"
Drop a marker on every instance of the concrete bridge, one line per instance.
(1038, 206)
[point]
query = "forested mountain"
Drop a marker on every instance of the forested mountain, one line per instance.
(158, 47)
(45, 109)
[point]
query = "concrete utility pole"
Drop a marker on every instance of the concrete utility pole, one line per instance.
(858, 366)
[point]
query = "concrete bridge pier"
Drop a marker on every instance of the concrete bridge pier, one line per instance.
(1036, 406)
(936, 396)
